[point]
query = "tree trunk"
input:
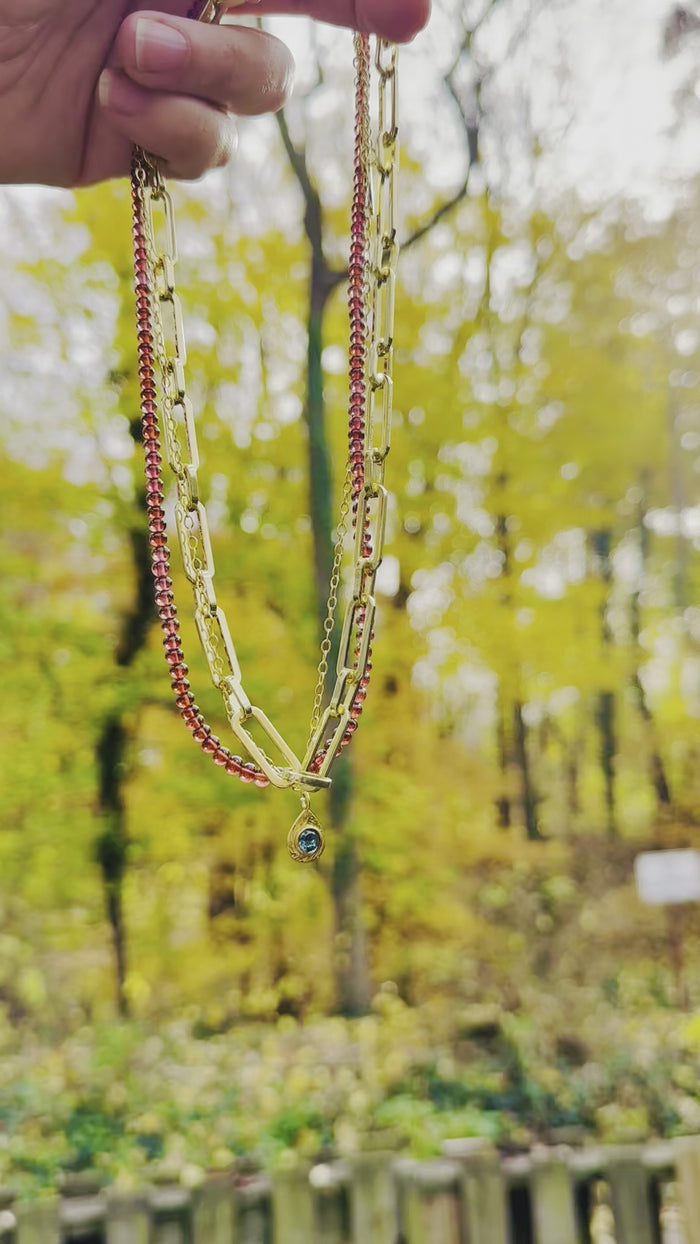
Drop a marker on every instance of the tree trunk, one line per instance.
(657, 771)
(350, 960)
(503, 799)
(528, 797)
(573, 801)
(320, 473)
(112, 844)
(605, 720)
(520, 756)
(601, 542)
(112, 847)
(352, 984)
(681, 565)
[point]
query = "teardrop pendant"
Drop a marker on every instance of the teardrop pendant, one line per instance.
(305, 840)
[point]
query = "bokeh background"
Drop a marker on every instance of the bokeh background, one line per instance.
(470, 957)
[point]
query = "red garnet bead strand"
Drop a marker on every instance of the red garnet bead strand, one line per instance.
(357, 407)
(357, 269)
(357, 283)
(157, 534)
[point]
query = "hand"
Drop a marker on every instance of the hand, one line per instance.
(80, 83)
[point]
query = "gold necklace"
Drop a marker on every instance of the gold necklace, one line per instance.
(168, 420)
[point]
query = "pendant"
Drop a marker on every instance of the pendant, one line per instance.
(305, 839)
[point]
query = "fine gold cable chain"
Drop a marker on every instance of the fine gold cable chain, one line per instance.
(162, 362)
(331, 607)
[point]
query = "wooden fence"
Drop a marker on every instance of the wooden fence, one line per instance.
(629, 1195)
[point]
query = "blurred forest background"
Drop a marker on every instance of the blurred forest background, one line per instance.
(470, 956)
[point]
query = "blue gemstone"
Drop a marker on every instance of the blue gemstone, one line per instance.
(309, 841)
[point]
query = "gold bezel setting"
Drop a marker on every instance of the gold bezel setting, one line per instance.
(305, 840)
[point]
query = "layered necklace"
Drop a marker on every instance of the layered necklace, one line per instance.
(169, 436)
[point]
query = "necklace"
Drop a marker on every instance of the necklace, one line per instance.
(169, 430)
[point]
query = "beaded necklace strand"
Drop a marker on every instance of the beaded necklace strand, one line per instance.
(168, 430)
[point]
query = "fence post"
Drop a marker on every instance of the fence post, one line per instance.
(127, 1220)
(254, 1210)
(518, 1176)
(583, 1195)
(329, 1181)
(170, 1208)
(8, 1223)
(688, 1170)
(292, 1207)
(214, 1214)
(39, 1222)
(631, 1202)
(431, 1203)
(553, 1203)
(373, 1209)
(483, 1191)
(83, 1216)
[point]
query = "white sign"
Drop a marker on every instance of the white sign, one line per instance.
(668, 876)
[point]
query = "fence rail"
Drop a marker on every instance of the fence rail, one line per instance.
(629, 1195)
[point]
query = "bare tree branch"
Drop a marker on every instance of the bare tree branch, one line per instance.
(680, 22)
(297, 161)
(470, 114)
(313, 211)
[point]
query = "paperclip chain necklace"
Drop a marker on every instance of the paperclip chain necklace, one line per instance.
(163, 389)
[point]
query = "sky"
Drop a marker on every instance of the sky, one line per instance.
(614, 125)
(589, 77)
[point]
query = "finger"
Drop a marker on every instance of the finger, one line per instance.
(187, 135)
(243, 71)
(399, 20)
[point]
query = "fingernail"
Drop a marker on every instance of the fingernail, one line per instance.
(159, 47)
(116, 92)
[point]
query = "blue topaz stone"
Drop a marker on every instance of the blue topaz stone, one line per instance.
(309, 840)
(305, 841)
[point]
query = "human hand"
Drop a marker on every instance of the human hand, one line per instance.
(80, 83)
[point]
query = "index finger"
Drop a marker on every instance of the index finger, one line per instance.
(398, 20)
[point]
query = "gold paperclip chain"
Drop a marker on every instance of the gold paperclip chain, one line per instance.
(162, 371)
